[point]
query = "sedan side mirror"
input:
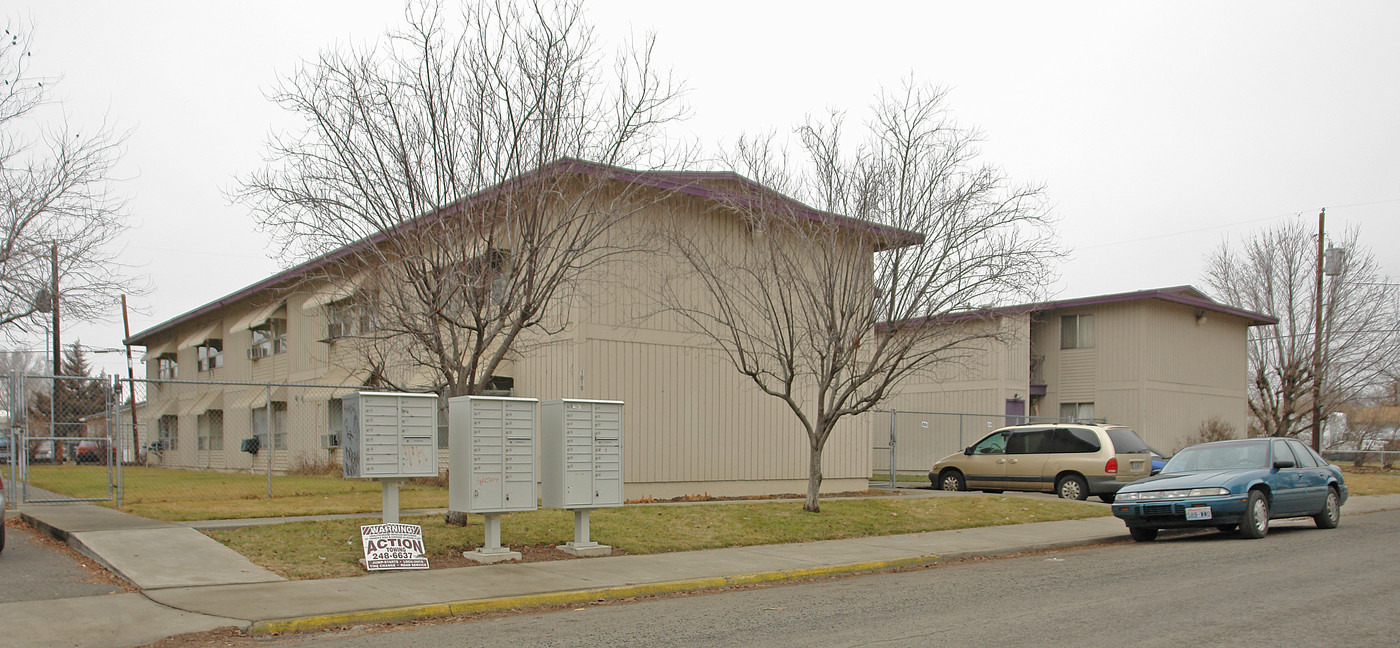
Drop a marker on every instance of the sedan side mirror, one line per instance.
(1283, 463)
(968, 451)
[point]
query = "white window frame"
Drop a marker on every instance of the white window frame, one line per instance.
(167, 366)
(258, 419)
(1077, 411)
(271, 336)
(211, 355)
(168, 427)
(210, 426)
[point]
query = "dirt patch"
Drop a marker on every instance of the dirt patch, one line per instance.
(96, 573)
(753, 498)
(528, 553)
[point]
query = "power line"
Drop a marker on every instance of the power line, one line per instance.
(1230, 224)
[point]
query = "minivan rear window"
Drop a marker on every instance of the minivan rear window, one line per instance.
(1125, 440)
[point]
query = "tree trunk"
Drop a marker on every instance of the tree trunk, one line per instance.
(814, 480)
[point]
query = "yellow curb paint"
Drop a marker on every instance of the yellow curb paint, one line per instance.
(411, 612)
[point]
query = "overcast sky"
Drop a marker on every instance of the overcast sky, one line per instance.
(1159, 129)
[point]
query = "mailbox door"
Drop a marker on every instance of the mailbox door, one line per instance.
(488, 455)
(607, 454)
(519, 457)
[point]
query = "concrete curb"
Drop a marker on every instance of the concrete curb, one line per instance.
(573, 597)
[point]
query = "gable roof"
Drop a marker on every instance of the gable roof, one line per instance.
(1186, 295)
(708, 185)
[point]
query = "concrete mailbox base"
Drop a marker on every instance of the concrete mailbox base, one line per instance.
(582, 546)
(486, 558)
(491, 550)
(588, 550)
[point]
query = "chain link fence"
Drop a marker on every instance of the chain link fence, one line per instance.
(908, 443)
(175, 441)
(56, 421)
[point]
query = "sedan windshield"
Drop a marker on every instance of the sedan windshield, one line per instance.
(1220, 457)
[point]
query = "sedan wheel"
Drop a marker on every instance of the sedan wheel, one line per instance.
(1255, 523)
(952, 481)
(1143, 534)
(1331, 511)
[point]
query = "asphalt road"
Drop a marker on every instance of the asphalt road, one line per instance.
(38, 568)
(1298, 586)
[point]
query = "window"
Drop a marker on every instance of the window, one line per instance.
(211, 355)
(1077, 332)
(335, 417)
(1076, 411)
(269, 339)
(279, 425)
(1029, 442)
(168, 432)
(1283, 453)
(211, 430)
(166, 367)
(348, 318)
(1305, 458)
(995, 444)
(1125, 440)
(1074, 440)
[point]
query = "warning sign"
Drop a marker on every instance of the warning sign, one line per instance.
(393, 546)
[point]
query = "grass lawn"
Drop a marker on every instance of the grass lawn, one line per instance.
(180, 495)
(326, 549)
(1372, 482)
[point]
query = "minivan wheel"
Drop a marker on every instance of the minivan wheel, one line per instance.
(1072, 487)
(952, 480)
(1108, 498)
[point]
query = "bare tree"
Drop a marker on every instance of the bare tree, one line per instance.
(470, 166)
(1274, 272)
(828, 308)
(56, 193)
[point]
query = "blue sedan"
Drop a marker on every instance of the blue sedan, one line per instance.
(1229, 485)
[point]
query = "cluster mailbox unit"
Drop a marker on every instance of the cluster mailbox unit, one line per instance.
(389, 437)
(491, 463)
(581, 462)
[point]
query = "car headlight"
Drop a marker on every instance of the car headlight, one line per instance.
(1209, 492)
(1170, 494)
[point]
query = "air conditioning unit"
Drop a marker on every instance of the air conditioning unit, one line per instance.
(335, 330)
(258, 352)
(329, 441)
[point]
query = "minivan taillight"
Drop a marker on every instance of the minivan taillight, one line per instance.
(1112, 466)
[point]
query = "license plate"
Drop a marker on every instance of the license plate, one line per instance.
(1198, 513)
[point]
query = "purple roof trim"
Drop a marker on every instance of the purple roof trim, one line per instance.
(694, 183)
(1186, 295)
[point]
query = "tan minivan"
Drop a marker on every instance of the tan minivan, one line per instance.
(1073, 461)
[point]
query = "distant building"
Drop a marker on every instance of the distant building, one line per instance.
(1159, 361)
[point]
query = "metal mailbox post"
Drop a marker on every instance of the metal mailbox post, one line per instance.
(581, 462)
(491, 463)
(389, 437)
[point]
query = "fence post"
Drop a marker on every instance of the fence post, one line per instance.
(893, 459)
(270, 444)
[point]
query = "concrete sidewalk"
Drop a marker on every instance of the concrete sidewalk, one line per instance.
(191, 583)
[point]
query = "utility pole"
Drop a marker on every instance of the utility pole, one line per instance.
(57, 346)
(131, 384)
(1317, 343)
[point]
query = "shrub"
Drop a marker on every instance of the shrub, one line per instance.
(311, 467)
(1212, 429)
